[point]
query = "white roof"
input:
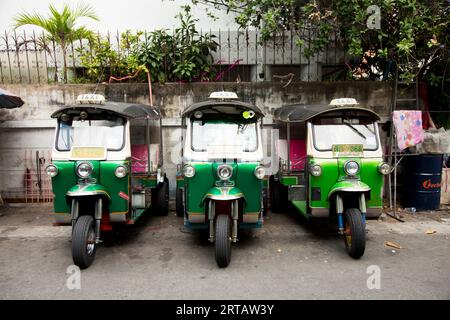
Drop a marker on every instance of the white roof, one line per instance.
(343, 102)
(223, 95)
(90, 99)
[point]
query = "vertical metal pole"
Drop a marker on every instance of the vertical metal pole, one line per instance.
(283, 49)
(83, 72)
(229, 51)
(256, 55)
(98, 218)
(340, 212)
(56, 60)
(1, 70)
(36, 56)
(9, 57)
(73, 60)
(235, 213)
(161, 153)
(246, 44)
(211, 214)
(26, 53)
(45, 57)
(395, 179)
(289, 146)
(147, 140)
(309, 57)
(18, 57)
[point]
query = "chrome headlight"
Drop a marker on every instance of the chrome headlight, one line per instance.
(51, 170)
(188, 171)
(260, 172)
(84, 170)
(121, 171)
(351, 168)
(224, 172)
(315, 170)
(384, 168)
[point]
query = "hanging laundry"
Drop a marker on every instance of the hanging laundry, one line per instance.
(408, 128)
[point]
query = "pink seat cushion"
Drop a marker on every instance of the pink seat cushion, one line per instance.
(297, 154)
(139, 159)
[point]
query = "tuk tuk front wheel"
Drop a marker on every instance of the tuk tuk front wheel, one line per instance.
(354, 233)
(83, 242)
(223, 240)
(179, 203)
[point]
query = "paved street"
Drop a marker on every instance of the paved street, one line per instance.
(287, 259)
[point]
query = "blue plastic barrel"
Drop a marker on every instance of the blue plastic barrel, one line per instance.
(423, 175)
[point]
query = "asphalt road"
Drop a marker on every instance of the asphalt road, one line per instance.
(288, 258)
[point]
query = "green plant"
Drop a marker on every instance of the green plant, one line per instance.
(184, 55)
(60, 28)
(414, 33)
(102, 61)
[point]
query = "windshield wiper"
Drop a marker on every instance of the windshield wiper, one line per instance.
(368, 128)
(356, 130)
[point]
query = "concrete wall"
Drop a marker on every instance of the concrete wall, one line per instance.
(30, 127)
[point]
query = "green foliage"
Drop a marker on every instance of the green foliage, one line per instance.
(59, 27)
(181, 55)
(101, 60)
(184, 55)
(412, 33)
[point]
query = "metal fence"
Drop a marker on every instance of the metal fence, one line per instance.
(26, 58)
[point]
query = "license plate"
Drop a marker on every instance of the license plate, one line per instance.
(91, 153)
(348, 150)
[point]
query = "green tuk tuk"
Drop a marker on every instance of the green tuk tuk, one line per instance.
(331, 166)
(220, 180)
(105, 171)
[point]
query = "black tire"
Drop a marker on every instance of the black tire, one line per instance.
(354, 233)
(83, 234)
(162, 198)
(223, 240)
(278, 197)
(179, 203)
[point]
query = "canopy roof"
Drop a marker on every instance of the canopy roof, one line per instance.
(127, 110)
(223, 105)
(10, 100)
(305, 112)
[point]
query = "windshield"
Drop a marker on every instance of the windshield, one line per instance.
(223, 136)
(91, 133)
(327, 135)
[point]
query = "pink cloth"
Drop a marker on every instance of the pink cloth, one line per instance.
(408, 128)
(139, 160)
(297, 154)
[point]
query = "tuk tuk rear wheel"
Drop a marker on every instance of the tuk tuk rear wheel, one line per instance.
(354, 233)
(162, 198)
(179, 203)
(83, 242)
(223, 240)
(278, 196)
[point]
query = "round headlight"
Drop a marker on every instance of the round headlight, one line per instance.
(51, 170)
(260, 172)
(84, 170)
(315, 170)
(224, 172)
(384, 168)
(189, 171)
(351, 168)
(121, 171)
